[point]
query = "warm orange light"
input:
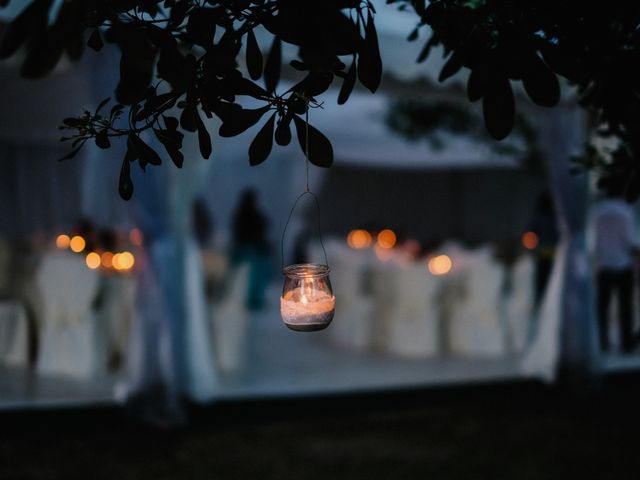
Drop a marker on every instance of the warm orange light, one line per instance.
(77, 244)
(93, 260)
(359, 239)
(106, 259)
(440, 265)
(530, 240)
(123, 261)
(383, 254)
(63, 241)
(386, 238)
(135, 237)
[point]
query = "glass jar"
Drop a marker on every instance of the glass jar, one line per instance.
(307, 303)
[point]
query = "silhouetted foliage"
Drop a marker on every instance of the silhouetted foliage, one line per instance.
(179, 61)
(184, 55)
(595, 46)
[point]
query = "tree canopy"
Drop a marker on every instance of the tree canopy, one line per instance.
(180, 60)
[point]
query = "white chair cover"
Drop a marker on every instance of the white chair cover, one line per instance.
(519, 304)
(352, 324)
(475, 322)
(69, 343)
(13, 334)
(414, 315)
(230, 321)
(117, 312)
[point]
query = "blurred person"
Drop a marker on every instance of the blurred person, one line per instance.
(615, 249)
(213, 262)
(543, 224)
(203, 224)
(250, 245)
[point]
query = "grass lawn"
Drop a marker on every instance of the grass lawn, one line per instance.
(513, 431)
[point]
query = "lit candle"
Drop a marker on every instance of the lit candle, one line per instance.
(307, 311)
(307, 302)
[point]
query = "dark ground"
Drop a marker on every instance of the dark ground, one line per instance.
(509, 431)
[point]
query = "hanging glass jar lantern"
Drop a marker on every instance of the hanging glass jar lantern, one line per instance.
(307, 303)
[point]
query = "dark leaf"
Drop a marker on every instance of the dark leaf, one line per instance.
(261, 146)
(204, 139)
(450, 68)
(237, 120)
(498, 108)
(95, 40)
(144, 152)
(424, 53)
(298, 65)
(369, 62)
(171, 138)
(169, 144)
(160, 102)
(254, 56)
(475, 85)
(188, 118)
(116, 109)
(102, 139)
(541, 84)
(102, 104)
(136, 64)
(160, 37)
(125, 185)
(283, 131)
(320, 150)
(272, 68)
(16, 33)
(245, 86)
(313, 84)
(413, 35)
(170, 122)
(348, 84)
(73, 122)
(201, 27)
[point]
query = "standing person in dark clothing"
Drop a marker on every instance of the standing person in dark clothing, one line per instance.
(615, 248)
(250, 245)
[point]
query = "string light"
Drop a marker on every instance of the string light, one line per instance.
(440, 265)
(92, 260)
(77, 244)
(386, 238)
(359, 239)
(63, 241)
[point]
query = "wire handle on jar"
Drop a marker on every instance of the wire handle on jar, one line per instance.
(317, 203)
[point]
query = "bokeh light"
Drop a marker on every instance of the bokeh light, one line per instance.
(63, 241)
(126, 260)
(359, 239)
(386, 238)
(530, 240)
(135, 237)
(93, 260)
(77, 244)
(107, 259)
(440, 265)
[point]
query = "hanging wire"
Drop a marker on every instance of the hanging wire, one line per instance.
(306, 142)
(307, 191)
(317, 203)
